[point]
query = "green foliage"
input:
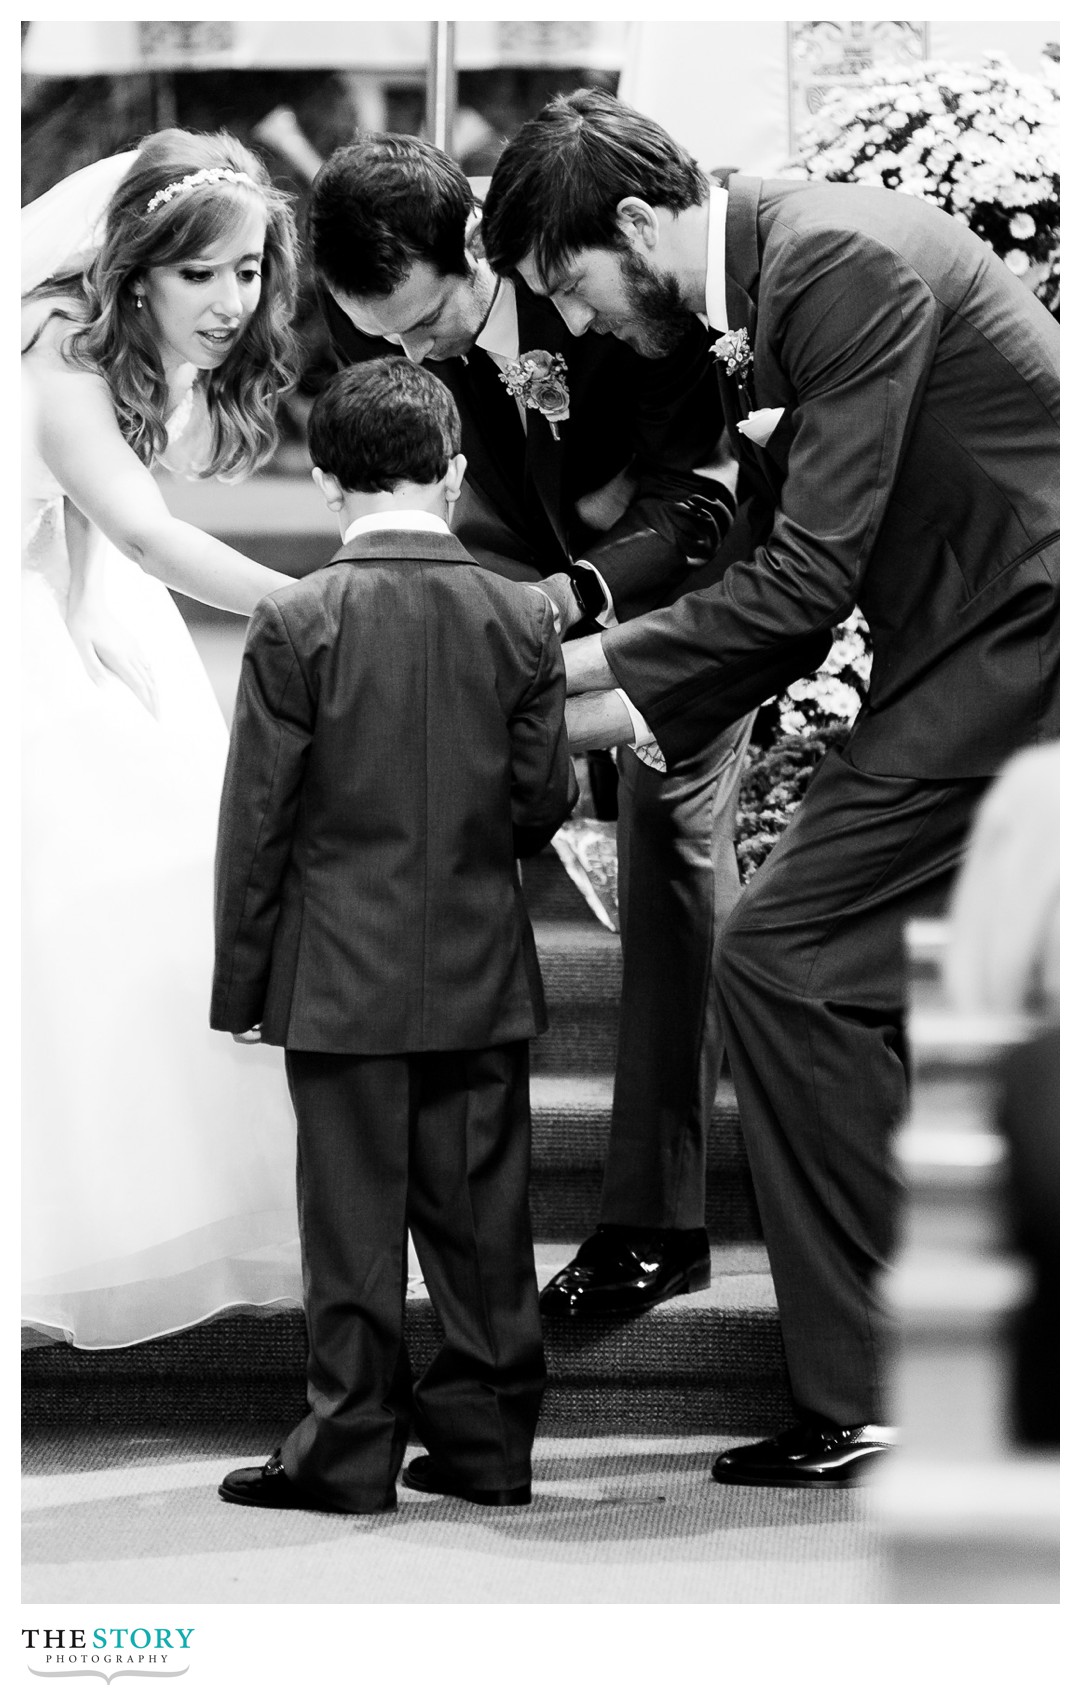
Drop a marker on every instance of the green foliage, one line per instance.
(775, 778)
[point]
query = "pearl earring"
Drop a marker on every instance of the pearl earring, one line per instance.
(138, 303)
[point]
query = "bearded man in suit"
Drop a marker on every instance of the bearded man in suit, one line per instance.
(892, 391)
(603, 503)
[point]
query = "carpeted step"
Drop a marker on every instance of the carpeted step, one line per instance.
(582, 967)
(709, 1361)
(701, 1360)
(571, 1124)
(550, 893)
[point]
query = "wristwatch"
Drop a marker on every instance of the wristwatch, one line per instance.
(588, 590)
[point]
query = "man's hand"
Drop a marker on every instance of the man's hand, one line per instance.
(587, 669)
(254, 1036)
(598, 719)
(560, 593)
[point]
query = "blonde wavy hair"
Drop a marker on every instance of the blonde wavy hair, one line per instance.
(113, 338)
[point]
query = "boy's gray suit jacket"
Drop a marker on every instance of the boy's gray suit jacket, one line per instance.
(398, 742)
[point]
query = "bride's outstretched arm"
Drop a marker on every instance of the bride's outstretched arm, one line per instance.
(82, 445)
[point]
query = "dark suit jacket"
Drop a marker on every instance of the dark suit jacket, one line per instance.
(398, 741)
(523, 513)
(915, 471)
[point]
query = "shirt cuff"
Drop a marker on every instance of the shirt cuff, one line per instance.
(645, 746)
(607, 615)
(551, 601)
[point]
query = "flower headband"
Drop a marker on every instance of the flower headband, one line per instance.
(211, 174)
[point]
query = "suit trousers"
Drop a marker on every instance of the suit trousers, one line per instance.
(678, 883)
(436, 1143)
(813, 990)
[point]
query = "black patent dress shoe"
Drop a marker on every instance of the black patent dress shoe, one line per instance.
(268, 1486)
(815, 1453)
(625, 1271)
(425, 1475)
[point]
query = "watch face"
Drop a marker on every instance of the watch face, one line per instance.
(588, 593)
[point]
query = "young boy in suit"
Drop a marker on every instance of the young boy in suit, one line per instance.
(398, 743)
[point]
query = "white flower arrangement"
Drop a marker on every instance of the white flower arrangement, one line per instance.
(837, 690)
(980, 141)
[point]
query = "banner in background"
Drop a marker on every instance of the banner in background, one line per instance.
(826, 56)
(78, 48)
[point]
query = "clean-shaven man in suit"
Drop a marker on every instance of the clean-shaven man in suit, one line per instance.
(892, 391)
(398, 742)
(609, 499)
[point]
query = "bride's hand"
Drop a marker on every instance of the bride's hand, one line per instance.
(105, 646)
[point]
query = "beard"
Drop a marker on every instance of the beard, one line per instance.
(657, 321)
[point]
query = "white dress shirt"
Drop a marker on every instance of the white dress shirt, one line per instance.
(397, 519)
(715, 316)
(499, 333)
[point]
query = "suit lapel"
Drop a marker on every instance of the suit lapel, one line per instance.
(540, 326)
(741, 263)
(741, 268)
(491, 431)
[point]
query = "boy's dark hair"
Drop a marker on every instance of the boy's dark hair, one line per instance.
(381, 204)
(557, 183)
(383, 423)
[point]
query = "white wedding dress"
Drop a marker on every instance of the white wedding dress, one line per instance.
(158, 1156)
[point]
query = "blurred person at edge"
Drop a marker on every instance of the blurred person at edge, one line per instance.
(1003, 952)
(1002, 959)
(158, 291)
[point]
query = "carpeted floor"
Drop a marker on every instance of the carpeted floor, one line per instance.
(111, 1516)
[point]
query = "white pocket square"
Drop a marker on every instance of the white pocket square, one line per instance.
(760, 424)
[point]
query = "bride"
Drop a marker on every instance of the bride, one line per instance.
(157, 1156)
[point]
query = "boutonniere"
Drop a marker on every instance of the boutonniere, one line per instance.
(539, 379)
(734, 348)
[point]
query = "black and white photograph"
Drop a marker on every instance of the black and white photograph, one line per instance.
(540, 973)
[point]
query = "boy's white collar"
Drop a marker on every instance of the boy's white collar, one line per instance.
(397, 519)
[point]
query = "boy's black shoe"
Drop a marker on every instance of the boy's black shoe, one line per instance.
(425, 1475)
(269, 1486)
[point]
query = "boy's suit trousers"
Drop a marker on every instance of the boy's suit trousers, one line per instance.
(436, 1143)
